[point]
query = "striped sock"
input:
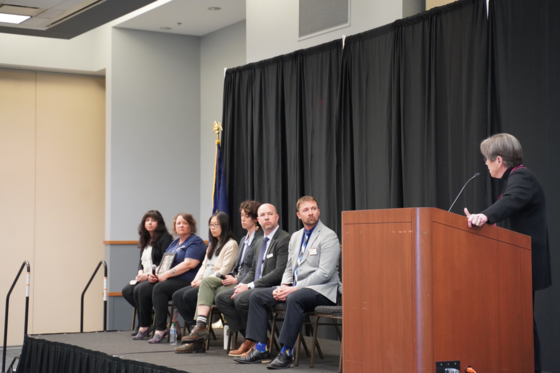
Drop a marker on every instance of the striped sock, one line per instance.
(201, 321)
(261, 347)
(287, 351)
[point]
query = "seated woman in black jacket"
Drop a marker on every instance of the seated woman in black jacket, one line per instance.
(154, 239)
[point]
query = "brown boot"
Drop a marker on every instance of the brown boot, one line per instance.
(245, 347)
(198, 333)
(189, 348)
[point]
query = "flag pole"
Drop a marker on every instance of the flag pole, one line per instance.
(216, 128)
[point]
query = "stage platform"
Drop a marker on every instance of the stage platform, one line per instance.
(125, 353)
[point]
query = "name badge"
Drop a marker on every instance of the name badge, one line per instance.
(269, 256)
(313, 251)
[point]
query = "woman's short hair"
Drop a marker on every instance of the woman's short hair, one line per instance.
(145, 238)
(250, 208)
(505, 146)
(189, 218)
(306, 199)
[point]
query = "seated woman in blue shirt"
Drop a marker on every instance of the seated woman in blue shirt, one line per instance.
(189, 250)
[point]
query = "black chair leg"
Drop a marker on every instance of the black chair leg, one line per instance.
(299, 338)
(133, 318)
(319, 350)
(304, 345)
(340, 360)
(229, 340)
(314, 342)
(272, 331)
(338, 331)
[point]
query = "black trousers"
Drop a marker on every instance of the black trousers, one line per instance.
(130, 293)
(536, 341)
(236, 311)
(297, 303)
(157, 296)
(185, 301)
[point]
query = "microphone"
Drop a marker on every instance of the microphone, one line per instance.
(154, 267)
(475, 175)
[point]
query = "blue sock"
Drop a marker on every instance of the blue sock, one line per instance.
(261, 347)
(287, 350)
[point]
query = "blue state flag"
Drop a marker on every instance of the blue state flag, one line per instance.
(219, 195)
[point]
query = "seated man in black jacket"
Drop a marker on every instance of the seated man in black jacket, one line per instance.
(269, 262)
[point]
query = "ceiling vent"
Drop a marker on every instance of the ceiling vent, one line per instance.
(320, 16)
(46, 14)
(20, 10)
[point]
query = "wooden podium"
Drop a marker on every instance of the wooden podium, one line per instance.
(420, 287)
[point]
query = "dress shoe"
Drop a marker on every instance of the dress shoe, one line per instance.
(281, 362)
(198, 333)
(253, 346)
(254, 357)
(189, 348)
(245, 347)
(135, 331)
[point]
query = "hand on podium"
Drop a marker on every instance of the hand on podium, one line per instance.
(475, 219)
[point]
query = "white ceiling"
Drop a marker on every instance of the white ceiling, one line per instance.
(189, 17)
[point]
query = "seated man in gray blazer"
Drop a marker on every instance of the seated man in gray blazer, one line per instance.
(310, 280)
(269, 261)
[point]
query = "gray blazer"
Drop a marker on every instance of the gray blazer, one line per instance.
(319, 267)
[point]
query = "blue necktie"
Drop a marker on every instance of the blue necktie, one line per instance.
(303, 246)
(261, 259)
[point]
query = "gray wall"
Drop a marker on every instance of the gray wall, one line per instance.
(154, 135)
(272, 25)
(153, 144)
(224, 48)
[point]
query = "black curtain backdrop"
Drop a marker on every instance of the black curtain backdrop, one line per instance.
(401, 129)
(279, 125)
(525, 101)
(414, 110)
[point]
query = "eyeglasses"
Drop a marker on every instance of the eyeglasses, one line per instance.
(212, 226)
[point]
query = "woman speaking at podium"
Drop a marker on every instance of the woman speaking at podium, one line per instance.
(521, 206)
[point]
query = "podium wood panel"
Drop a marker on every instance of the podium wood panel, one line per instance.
(421, 287)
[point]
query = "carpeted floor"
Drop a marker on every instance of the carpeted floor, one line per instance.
(214, 360)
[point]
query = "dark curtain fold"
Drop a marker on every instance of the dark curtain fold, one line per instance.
(393, 121)
(279, 123)
(42, 356)
(414, 110)
(525, 101)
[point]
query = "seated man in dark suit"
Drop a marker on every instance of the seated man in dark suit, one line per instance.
(269, 261)
(310, 280)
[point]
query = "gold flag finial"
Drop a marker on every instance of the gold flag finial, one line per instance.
(217, 128)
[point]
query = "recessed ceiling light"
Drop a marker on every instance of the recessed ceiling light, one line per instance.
(12, 18)
(214, 8)
(165, 28)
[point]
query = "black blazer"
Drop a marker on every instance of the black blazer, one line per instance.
(158, 249)
(248, 259)
(522, 208)
(274, 265)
